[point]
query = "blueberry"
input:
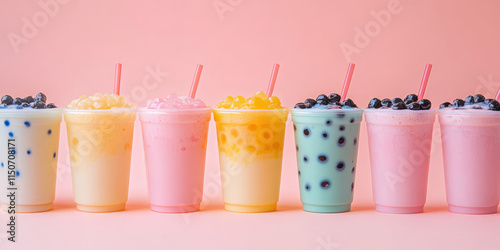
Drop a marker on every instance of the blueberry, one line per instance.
(494, 105)
(398, 106)
(7, 99)
(375, 103)
(444, 105)
(349, 103)
(38, 105)
(386, 102)
(322, 97)
(310, 101)
(25, 104)
(322, 101)
(414, 106)
(479, 98)
(299, 105)
(305, 158)
(487, 101)
(3, 105)
(396, 100)
(410, 98)
(51, 106)
(41, 97)
(342, 128)
(325, 184)
(308, 187)
(28, 99)
(328, 122)
(19, 107)
(469, 100)
(325, 135)
(425, 104)
(334, 97)
(17, 101)
(458, 103)
(308, 105)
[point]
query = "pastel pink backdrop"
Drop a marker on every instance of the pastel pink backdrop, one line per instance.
(73, 51)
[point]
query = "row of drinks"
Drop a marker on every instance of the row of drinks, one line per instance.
(250, 134)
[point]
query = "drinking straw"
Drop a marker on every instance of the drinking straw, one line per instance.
(347, 81)
(196, 80)
(497, 96)
(272, 81)
(118, 76)
(425, 79)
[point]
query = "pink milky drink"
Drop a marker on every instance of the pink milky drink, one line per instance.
(175, 140)
(471, 142)
(400, 144)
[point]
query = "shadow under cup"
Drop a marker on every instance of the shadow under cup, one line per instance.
(100, 148)
(29, 142)
(399, 145)
(250, 153)
(471, 140)
(327, 147)
(175, 145)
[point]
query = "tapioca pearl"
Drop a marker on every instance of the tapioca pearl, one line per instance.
(305, 159)
(341, 115)
(341, 127)
(49, 132)
(352, 186)
(294, 127)
(299, 170)
(322, 158)
(29, 152)
(355, 140)
(352, 120)
(353, 169)
(324, 134)
(234, 133)
(27, 123)
(340, 166)
(306, 132)
(17, 173)
(223, 138)
(341, 141)
(11, 134)
(325, 184)
(6, 122)
(54, 155)
(308, 187)
(297, 147)
(328, 122)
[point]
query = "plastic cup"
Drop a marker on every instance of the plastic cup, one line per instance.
(100, 147)
(471, 139)
(327, 147)
(250, 154)
(399, 145)
(175, 143)
(29, 142)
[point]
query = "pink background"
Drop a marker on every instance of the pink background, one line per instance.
(73, 52)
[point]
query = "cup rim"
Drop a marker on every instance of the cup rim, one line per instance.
(68, 110)
(404, 111)
(29, 110)
(249, 110)
(470, 112)
(148, 110)
(327, 111)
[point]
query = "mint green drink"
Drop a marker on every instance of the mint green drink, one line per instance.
(327, 147)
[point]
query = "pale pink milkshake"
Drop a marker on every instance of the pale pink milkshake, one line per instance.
(471, 139)
(400, 144)
(175, 140)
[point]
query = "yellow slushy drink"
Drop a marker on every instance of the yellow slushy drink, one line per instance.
(250, 135)
(100, 130)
